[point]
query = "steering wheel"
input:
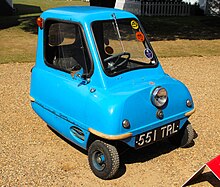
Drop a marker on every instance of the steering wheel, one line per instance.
(76, 67)
(117, 63)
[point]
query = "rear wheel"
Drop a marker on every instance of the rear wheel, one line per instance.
(184, 137)
(103, 159)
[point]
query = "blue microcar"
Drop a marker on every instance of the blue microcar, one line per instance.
(98, 82)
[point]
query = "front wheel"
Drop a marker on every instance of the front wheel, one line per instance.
(184, 137)
(103, 159)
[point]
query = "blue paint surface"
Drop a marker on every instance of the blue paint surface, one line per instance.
(62, 101)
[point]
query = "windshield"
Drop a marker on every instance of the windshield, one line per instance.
(122, 46)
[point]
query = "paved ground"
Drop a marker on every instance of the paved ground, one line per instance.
(32, 155)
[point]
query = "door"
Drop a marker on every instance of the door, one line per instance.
(61, 88)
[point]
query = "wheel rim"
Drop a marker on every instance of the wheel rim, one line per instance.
(98, 160)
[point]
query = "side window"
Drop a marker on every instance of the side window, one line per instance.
(65, 47)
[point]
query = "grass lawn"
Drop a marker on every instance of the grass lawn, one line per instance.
(170, 36)
(19, 32)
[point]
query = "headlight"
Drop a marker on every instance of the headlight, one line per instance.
(159, 96)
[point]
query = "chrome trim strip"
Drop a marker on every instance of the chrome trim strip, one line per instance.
(187, 114)
(31, 98)
(110, 137)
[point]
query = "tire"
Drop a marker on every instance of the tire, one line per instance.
(184, 137)
(103, 159)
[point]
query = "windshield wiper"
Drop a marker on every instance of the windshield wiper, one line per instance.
(117, 29)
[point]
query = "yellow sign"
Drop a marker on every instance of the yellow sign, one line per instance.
(134, 24)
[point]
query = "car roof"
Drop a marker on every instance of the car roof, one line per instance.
(85, 13)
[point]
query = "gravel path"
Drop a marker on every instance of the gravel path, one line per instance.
(32, 155)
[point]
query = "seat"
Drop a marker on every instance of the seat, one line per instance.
(66, 64)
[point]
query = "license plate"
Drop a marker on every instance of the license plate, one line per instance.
(157, 134)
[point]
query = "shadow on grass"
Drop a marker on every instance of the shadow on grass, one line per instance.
(23, 18)
(22, 9)
(172, 28)
(158, 28)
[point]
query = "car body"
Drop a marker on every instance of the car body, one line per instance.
(93, 86)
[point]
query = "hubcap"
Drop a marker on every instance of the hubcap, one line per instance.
(98, 160)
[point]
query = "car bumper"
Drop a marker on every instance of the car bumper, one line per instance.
(130, 137)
